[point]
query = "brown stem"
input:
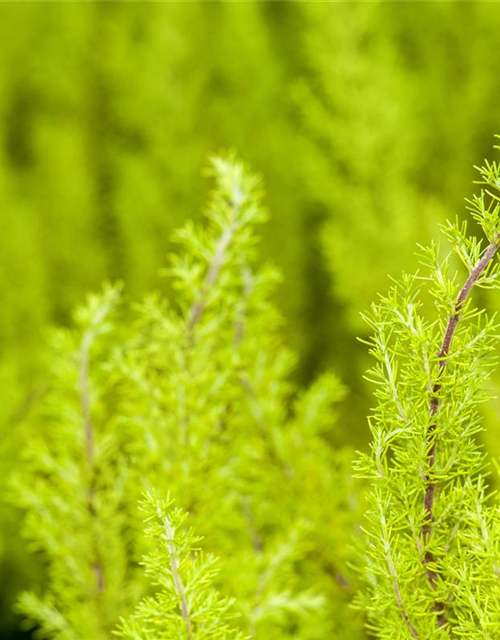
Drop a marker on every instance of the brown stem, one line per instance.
(257, 544)
(429, 497)
(199, 305)
(402, 610)
(240, 324)
(85, 404)
(176, 577)
(85, 397)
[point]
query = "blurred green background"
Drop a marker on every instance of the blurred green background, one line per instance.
(363, 118)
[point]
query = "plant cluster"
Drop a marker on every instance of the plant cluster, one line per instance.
(190, 395)
(187, 397)
(431, 561)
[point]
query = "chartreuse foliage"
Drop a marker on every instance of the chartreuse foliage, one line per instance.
(378, 117)
(79, 486)
(231, 438)
(431, 561)
(189, 394)
(185, 578)
(386, 156)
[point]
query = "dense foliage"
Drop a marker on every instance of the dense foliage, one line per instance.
(364, 119)
(434, 530)
(191, 396)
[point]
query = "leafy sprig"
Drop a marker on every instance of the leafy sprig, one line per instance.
(433, 531)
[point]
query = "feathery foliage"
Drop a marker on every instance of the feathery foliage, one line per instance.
(230, 435)
(186, 605)
(190, 395)
(78, 485)
(433, 528)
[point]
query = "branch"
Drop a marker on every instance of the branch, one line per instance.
(213, 271)
(429, 497)
(394, 579)
(199, 305)
(240, 324)
(88, 339)
(85, 404)
(176, 577)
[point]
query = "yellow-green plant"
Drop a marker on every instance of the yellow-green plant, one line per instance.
(191, 394)
(78, 485)
(186, 604)
(431, 561)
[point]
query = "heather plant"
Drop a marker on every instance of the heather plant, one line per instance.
(238, 438)
(433, 529)
(185, 576)
(78, 485)
(353, 118)
(190, 394)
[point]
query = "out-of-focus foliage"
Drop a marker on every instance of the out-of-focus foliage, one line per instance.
(363, 128)
(79, 485)
(397, 98)
(192, 395)
(363, 117)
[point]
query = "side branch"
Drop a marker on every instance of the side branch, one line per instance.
(176, 577)
(214, 269)
(394, 580)
(429, 497)
(85, 404)
(87, 341)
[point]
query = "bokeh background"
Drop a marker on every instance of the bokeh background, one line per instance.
(364, 120)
